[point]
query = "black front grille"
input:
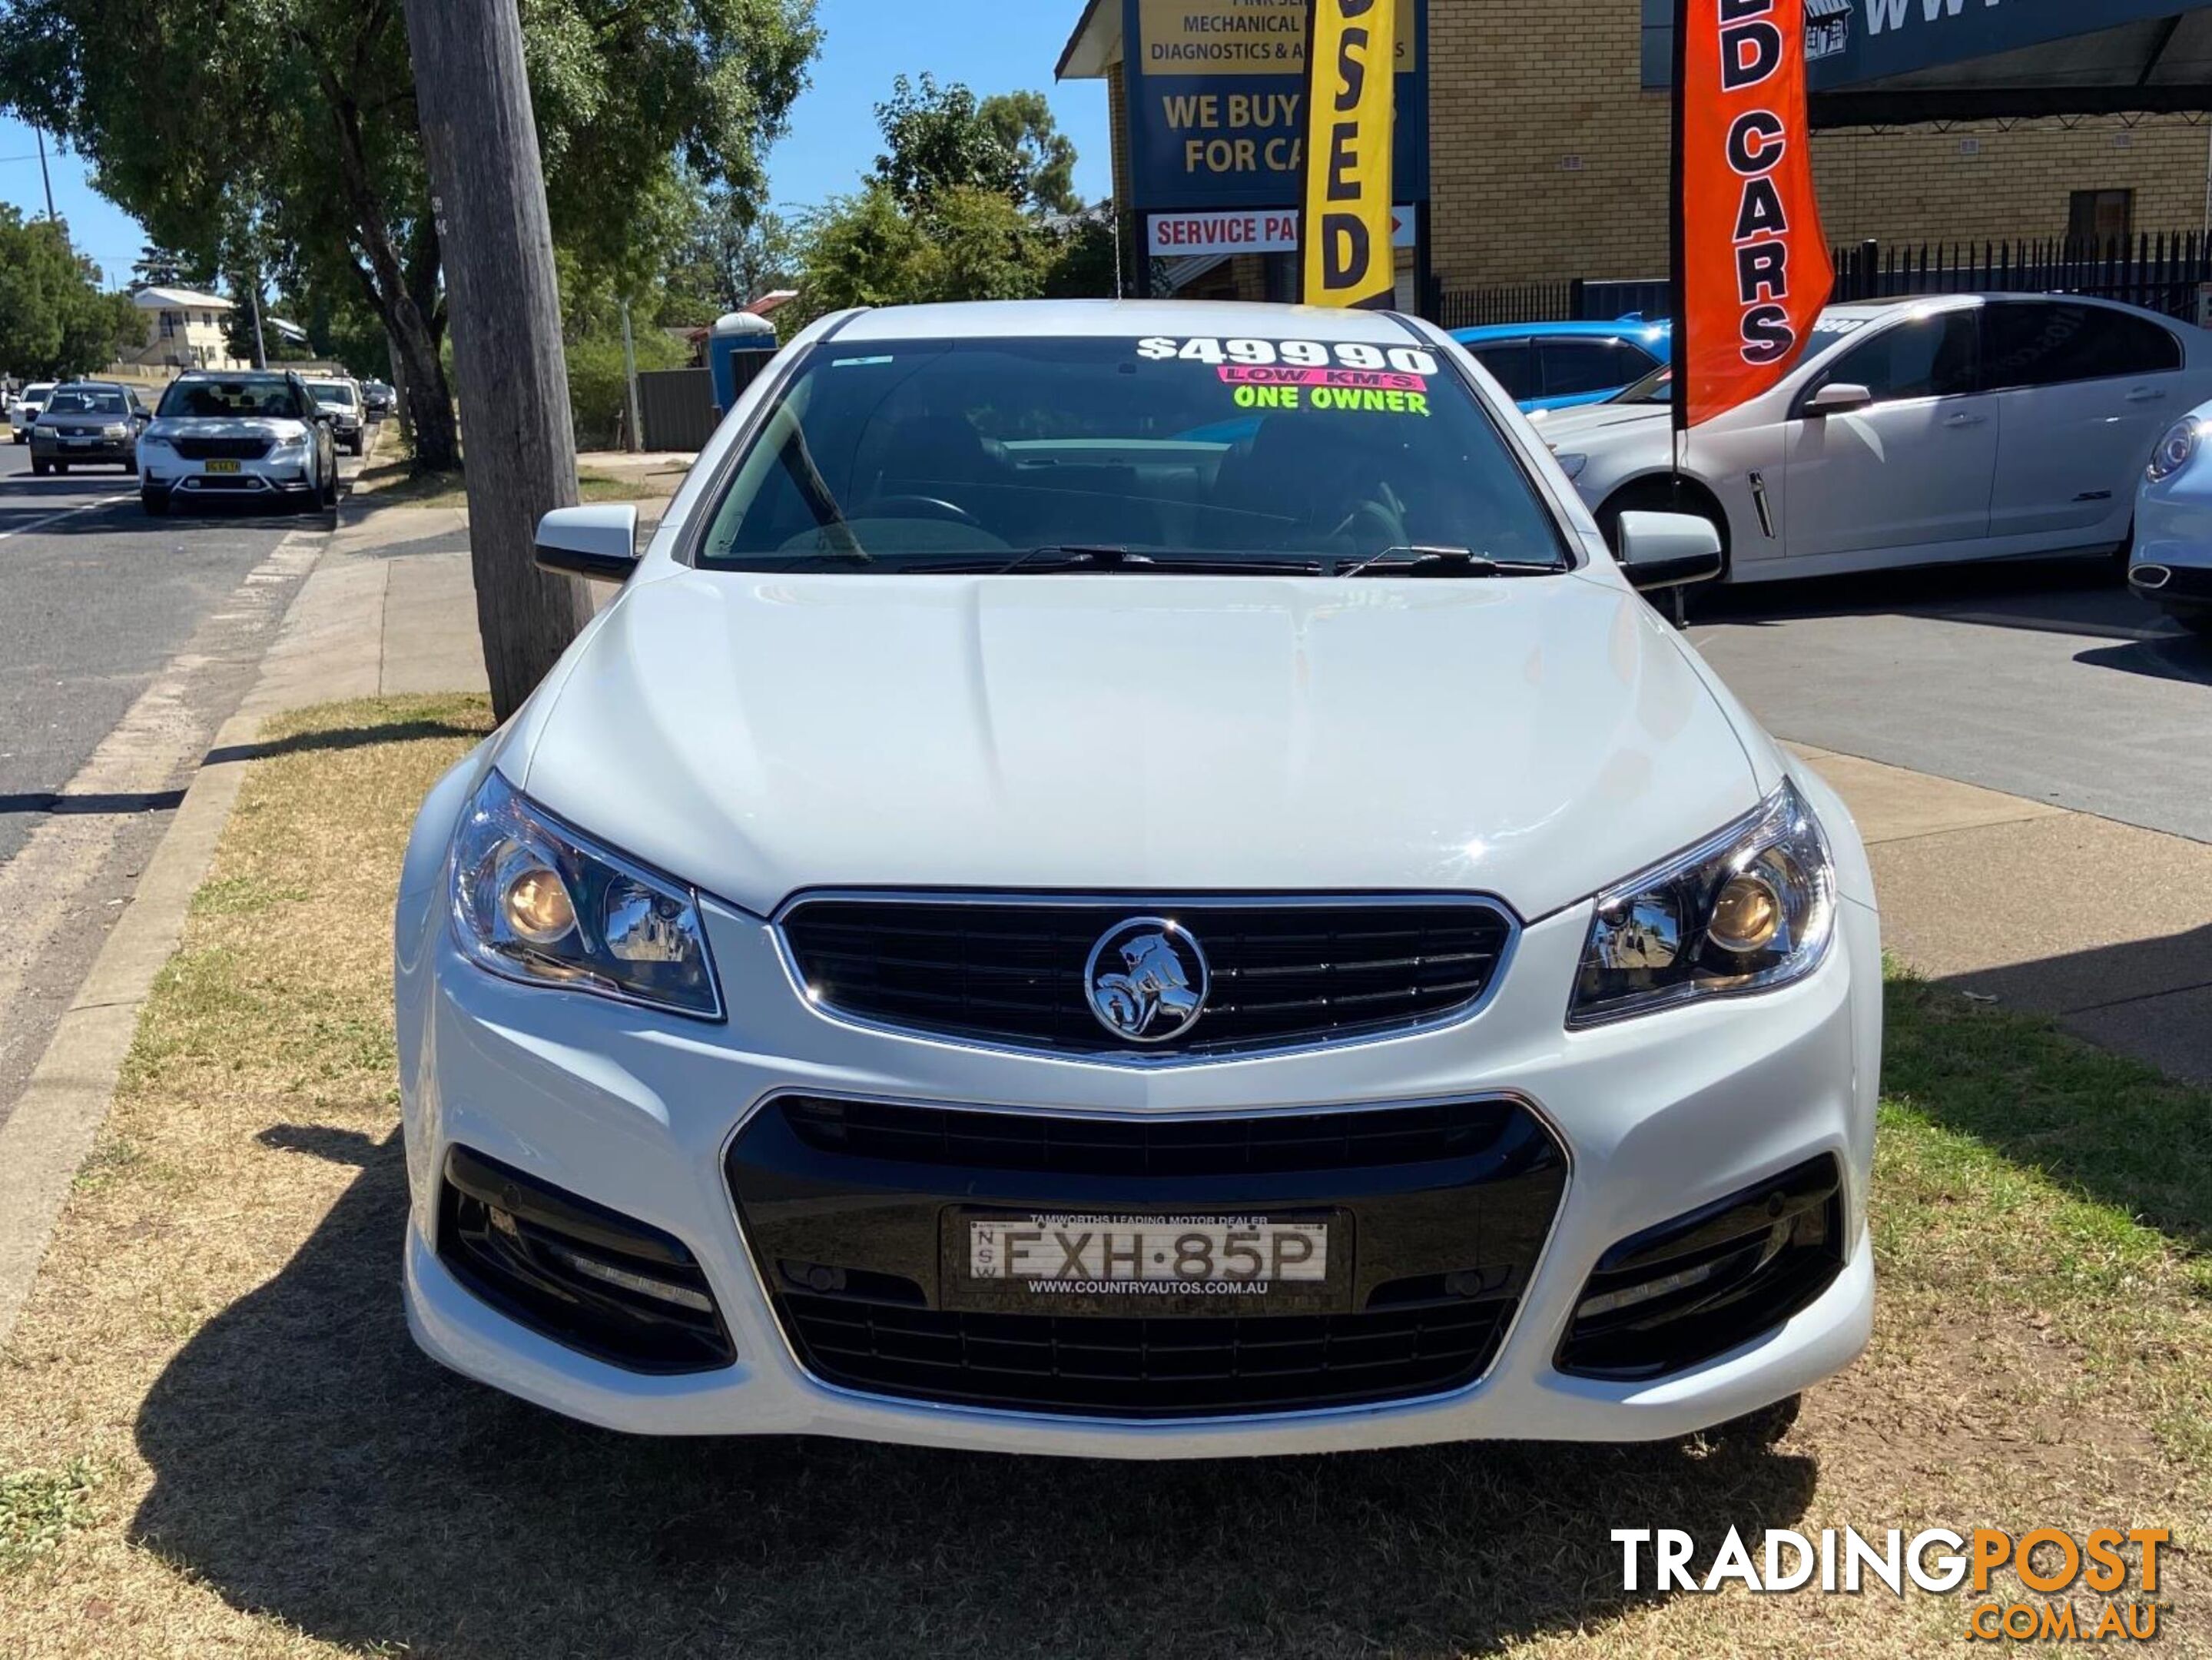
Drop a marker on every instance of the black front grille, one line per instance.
(1140, 1147)
(1140, 1367)
(1282, 973)
(222, 449)
(854, 1213)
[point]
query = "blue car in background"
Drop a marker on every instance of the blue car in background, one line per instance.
(1561, 366)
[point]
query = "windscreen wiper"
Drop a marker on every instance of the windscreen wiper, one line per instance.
(1426, 561)
(798, 461)
(1099, 558)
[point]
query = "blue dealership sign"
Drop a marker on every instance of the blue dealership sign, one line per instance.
(1216, 90)
(1864, 41)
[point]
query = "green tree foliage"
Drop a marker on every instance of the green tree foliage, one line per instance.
(733, 254)
(228, 125)
(942, 137)
(54, 320)
(971, 199)
(168, 268)
(1044, 156)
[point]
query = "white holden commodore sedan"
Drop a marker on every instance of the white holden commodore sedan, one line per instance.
(1133, 879)
(1913, 432)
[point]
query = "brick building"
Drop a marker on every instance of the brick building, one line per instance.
(1546, 142)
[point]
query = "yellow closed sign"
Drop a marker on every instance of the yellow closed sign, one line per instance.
(1344, 254)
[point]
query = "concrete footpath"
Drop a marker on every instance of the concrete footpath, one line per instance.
(2105, 925)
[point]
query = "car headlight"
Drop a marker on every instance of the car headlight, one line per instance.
(2175, 450)
(1572, 466)
(534, 901)
(1751, 909)
(115, 429)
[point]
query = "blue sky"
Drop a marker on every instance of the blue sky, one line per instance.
(994, 46)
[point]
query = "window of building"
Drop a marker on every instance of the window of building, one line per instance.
(1658, 44)
(2105, 214)
(168, 325)
(2039, 342)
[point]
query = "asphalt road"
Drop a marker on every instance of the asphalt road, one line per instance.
(99, 597)
(125, 641)
(2049, 680)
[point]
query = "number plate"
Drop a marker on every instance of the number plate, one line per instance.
(1060, 1262)
(222, 466)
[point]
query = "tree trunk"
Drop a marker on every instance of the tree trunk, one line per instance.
(472, 97)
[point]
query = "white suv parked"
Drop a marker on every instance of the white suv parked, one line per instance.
(226, 435)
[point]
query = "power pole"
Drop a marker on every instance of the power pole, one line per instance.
(254, 308)
(488, 189)
(44, 176)
(629, 380)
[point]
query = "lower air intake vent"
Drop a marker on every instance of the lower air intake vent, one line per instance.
(579, 1273)
(1676, 1295)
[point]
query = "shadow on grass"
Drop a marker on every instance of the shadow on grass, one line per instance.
(340, 738)
(2113, 1130)
(309, 1464)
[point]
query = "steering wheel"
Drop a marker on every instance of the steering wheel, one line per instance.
(920, 506)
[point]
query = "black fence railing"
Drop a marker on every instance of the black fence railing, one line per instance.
(2166, 272)
(2160, 273)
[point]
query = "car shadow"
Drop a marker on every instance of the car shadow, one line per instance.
(2061, 596)
(310, 1466)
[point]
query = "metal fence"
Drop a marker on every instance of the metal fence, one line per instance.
(676, 409)
(2163, 273)
(2167, 272)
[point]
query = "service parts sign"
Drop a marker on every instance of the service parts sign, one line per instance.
(1216, 92)
(1755, 265)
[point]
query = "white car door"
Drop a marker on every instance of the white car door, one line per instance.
(1911, 470)
(2085, 392)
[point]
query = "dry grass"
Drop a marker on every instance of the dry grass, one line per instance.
(215, 1437)
(394, 483)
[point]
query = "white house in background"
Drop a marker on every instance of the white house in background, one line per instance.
(184, 330)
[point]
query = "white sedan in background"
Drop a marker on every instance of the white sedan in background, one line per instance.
(1914, 432)
(2172, 563)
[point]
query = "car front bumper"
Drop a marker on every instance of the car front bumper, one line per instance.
(192, 480)
(638, 1113)
(49, 448)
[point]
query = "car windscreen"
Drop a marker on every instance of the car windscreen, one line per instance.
(38, 393)
(221, 400)
(1828, 332)
(331, 392)
(970, 453)
(70, 401)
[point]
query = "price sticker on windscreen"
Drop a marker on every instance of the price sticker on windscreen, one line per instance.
(1351, 376)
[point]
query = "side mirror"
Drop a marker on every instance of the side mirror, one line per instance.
(1667, 549)
(598, 542)
(1837, 398)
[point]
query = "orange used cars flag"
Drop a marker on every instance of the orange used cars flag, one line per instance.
(1751, 264)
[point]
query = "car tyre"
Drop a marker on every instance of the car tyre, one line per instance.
(154, 499)
(326, 488)
(129, 467)
(57, 466)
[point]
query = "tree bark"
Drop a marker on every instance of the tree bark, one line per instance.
(472, 101)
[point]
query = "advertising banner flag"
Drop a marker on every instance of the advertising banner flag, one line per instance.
(1344, 240)
(1751, 263)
